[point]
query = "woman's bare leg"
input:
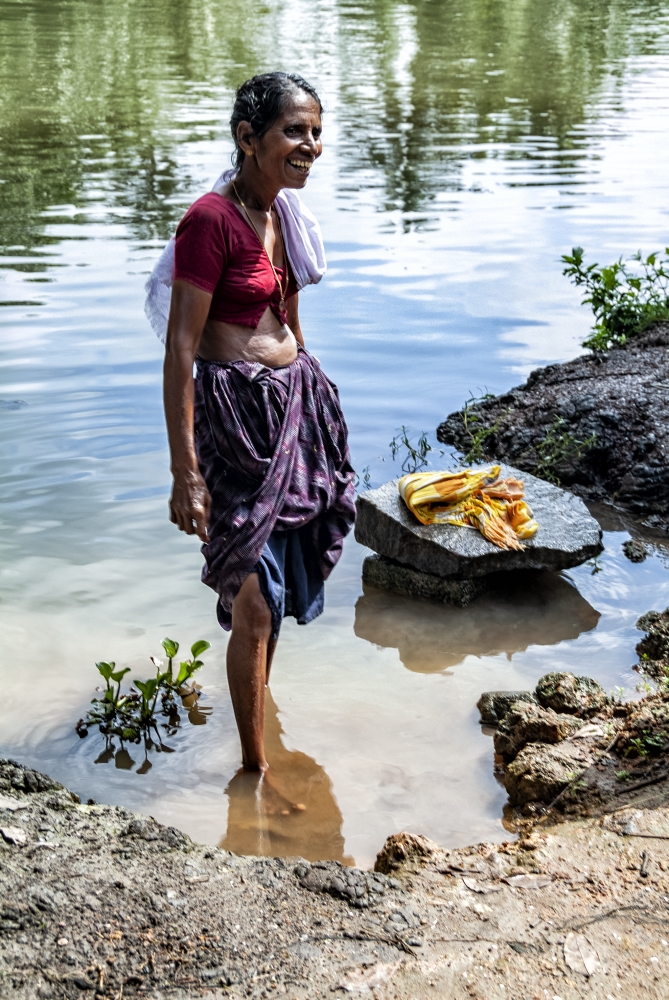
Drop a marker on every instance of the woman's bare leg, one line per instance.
(248, 669)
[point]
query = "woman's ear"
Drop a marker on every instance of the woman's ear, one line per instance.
(246, 138)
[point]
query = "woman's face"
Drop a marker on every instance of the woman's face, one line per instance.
(290, 147)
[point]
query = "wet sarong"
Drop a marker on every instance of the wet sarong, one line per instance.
(272, 448)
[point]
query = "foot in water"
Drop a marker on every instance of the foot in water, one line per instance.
(272, 801)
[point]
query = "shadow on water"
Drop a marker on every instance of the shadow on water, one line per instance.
(290, 812)
(520, 610)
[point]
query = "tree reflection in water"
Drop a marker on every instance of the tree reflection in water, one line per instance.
(290, 813)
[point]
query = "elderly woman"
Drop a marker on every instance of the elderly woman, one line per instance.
(258, 441)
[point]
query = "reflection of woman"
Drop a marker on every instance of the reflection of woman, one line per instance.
(261, 820)
(258, 440)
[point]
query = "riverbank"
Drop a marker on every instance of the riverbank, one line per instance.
(95, 899)
(598, 425)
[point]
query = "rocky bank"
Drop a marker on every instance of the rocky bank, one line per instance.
(598, 424)
(95, 900)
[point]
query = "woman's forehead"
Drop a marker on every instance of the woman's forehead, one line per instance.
(302, 107)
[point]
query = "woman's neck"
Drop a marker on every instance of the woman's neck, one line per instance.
(253, 188)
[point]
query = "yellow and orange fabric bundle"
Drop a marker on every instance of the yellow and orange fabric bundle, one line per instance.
(477, 498)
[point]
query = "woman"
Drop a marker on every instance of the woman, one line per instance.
(258, 441)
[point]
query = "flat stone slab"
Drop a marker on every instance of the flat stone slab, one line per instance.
(568, 535)
(382, 572)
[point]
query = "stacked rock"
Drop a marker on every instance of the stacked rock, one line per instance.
(453, 564)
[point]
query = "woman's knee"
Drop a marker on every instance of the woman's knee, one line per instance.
(250, 612)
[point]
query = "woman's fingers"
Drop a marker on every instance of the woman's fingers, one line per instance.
(189, 508)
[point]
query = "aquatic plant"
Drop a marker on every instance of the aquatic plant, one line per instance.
(415, 457)
(132, 717)
(624, 300)
(366, 479)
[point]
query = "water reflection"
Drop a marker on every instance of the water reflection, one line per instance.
(458, 80)
(94, 101)
(520, 610)
(292, 813)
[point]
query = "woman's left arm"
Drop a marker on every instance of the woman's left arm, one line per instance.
(293, 319)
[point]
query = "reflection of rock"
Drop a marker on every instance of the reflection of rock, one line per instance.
(519, 610)
(567, 535)
(290, 813)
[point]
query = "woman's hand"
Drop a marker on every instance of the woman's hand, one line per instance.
(190, 504)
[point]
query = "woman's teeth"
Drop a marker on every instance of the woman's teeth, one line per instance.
(302, 165)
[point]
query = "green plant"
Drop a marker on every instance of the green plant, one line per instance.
(132, 716)
(648, 742)
(623, 775)
(476, 431)
(556, 447)
(366, 479)
(636, 746)
(415, 458)
(624, 300)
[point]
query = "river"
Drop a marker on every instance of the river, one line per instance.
(467, 145)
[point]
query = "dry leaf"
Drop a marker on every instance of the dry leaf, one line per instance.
(11, 804)
(589, 729)
(529, 881)
(362, 980)
(579, 954)
(13, 834)
(475, 886)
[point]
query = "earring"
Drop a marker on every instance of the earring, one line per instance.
(249, 152)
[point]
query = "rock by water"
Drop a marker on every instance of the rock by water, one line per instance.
(620, 397)
(568, 535)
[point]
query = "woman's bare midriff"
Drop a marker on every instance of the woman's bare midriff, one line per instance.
(269, 343)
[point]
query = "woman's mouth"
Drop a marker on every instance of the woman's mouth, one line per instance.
(304, 166)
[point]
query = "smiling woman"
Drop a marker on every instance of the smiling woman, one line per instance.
(258, 441)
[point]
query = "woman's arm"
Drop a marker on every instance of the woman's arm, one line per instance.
(293, 319)
(190, 501)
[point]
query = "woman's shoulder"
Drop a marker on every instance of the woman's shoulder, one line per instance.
(211, 207)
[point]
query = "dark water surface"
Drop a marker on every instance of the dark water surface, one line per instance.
(468, 145)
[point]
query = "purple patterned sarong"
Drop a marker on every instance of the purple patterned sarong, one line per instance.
(272, 448)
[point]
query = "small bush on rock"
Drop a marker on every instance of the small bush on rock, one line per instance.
(624, 300)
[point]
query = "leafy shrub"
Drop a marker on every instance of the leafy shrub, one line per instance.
(624, 300)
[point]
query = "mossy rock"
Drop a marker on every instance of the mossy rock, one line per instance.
(565, 692)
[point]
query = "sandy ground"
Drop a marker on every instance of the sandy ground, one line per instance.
(96, 899)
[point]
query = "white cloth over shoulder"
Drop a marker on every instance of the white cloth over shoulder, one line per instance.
(304, 248)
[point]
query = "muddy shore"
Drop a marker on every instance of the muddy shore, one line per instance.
(96, 900)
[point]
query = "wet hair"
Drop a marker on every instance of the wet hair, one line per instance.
(261, 100)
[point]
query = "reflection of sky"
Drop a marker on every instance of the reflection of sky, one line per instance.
(444, 236)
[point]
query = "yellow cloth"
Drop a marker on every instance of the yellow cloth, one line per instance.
(478, 498)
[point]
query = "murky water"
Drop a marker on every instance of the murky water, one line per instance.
(467, 147)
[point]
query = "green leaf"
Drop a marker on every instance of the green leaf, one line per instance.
(184, 674)
(120, 674)
(147, 688)
(106, 669)
(171, 647)
(200, 647)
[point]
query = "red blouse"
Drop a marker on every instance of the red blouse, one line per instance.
(217, 251)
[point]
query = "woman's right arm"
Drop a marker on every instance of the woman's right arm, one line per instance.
(190, 502)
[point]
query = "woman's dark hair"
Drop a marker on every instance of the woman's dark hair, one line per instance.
(261, 100)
